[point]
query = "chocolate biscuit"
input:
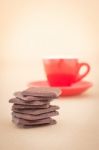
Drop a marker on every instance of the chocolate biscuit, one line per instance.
(19, 101)
(19, 121)
(42, 92)
(22, 107)
(31, 107)
(30, 98)
(36, 125)
(36, 111)
(34, 117)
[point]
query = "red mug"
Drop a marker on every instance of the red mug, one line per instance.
(64, 71)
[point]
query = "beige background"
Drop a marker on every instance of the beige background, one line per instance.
(33, 29)
(30, 30)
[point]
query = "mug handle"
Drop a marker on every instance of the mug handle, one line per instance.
(86, 72)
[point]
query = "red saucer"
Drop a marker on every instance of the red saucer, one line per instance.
(75, 89)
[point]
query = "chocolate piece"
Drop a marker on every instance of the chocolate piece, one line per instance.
(36, 125)
(31, 107)
(42, 92)
(35, 117)
(36, 111)
(22, 107)
(19, 101)
(30, 98)
(19, 121)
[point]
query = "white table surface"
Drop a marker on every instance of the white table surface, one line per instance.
(77, 125)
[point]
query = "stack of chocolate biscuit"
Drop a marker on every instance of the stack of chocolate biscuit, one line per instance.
(32, 107)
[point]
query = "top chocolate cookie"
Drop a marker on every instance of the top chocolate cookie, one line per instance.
(49, 92)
